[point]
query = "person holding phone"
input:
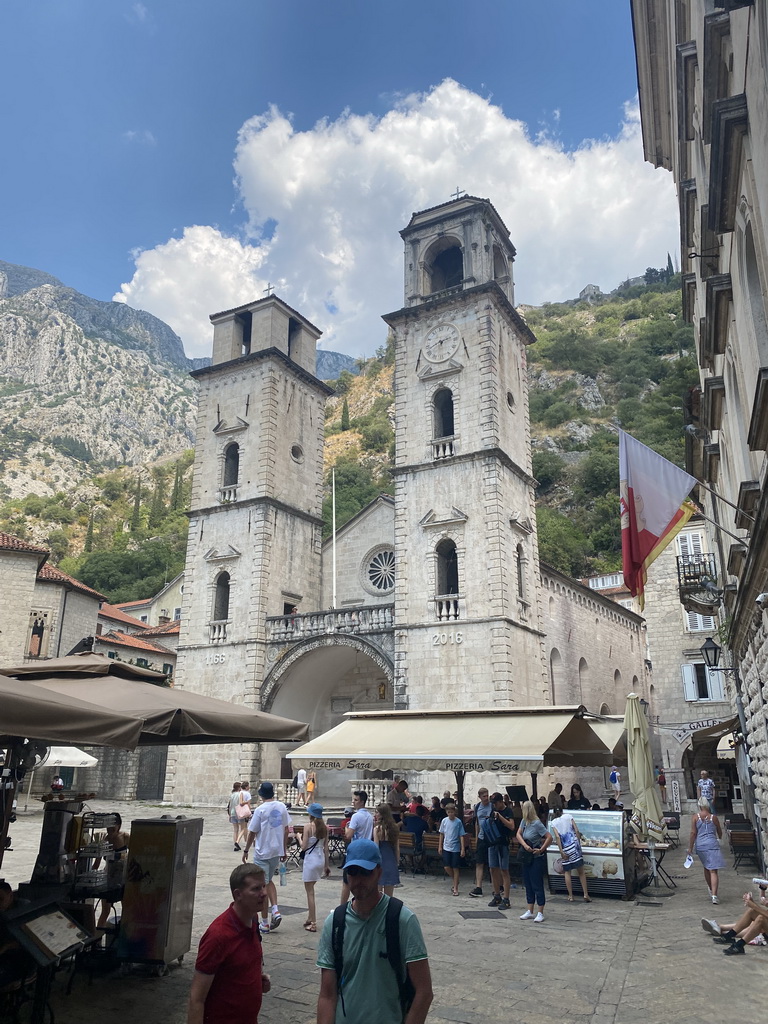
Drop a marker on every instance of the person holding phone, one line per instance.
(750, 929)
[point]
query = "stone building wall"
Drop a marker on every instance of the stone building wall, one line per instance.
(370, 532)
(17, 600)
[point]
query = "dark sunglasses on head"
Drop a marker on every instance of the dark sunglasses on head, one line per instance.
(355, 870)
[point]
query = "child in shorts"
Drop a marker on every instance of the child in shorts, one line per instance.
(451, 845)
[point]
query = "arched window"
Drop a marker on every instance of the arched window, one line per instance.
(617, 678)
(444, 265)
(442, 406)
(231, 465)
(583, 678)
(221, 599)
(520, 562)
(605, 709)
(447, 569)
(555, 667)
(500, 268)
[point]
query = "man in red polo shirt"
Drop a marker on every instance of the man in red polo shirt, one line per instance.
(229, 978)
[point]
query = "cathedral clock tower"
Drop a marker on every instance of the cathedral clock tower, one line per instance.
(467, 630)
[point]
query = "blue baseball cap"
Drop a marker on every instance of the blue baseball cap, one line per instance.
(315, 810)
(363, 853)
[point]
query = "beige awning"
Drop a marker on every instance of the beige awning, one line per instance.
(715, 732)
(522, 740)
(613, 733)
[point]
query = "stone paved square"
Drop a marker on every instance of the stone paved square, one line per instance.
(608, 962)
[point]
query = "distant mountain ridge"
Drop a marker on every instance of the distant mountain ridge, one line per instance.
(84, 381)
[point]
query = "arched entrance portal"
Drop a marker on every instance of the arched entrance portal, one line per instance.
(317, 682)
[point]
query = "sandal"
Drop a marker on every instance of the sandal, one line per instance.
(570, 899)
(454, 892)
(310, 926)
(587, 899)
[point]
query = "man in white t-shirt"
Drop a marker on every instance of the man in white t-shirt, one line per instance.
(360, 827)
(301, 785)
(268, 833)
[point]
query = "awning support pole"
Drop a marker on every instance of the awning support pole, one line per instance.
(534, 785)
(460, 776)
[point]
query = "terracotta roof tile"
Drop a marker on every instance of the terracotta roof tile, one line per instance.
(114, 612)
(132, 604)
(165, 629)
(53, 575)
(10, 543)
(118, 639)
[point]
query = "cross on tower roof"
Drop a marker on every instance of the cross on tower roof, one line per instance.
(269, 289)
(458, 193)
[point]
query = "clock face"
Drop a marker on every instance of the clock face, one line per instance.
(441, 342)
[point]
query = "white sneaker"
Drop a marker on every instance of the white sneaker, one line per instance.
(715, 899)
(710, 925)
(539, 918)
(526, 916)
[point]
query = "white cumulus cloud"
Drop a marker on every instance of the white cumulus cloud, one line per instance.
(324, 207)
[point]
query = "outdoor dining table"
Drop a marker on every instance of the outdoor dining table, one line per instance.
(659, 851)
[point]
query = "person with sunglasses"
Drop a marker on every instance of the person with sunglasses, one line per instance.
(369, 992)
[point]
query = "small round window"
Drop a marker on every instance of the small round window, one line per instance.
(511, 401)
(297, 453)
(378, 571)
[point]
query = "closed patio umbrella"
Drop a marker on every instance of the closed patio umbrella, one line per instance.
(647, 814)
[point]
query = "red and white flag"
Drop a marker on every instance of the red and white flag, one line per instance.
(653, 508)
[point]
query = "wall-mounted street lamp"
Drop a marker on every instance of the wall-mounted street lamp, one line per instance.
(644, 705)
(710, 652)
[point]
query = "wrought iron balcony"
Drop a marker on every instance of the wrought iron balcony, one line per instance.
(697, 583)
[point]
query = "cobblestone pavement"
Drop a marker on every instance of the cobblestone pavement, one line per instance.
(608, 962)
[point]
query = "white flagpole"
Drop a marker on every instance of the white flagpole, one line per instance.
(333, 527)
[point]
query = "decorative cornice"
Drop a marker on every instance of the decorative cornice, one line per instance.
(255, 357)
(281, 506)
(714, 335)
(483, 453)
(223, 428)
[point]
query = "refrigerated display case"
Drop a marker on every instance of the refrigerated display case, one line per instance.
(159, 894)
(602, 845)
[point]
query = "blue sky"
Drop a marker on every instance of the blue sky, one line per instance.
(180, 153)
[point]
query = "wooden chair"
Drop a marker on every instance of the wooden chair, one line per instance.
(431, 841)
(407, 851)
(743, 846)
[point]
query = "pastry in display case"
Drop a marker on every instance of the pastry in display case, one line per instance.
(602, 846)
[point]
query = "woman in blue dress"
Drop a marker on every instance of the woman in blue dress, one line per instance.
(387, 834)
(706, 834)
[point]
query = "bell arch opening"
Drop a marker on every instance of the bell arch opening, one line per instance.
(442, 409)
(444, 265)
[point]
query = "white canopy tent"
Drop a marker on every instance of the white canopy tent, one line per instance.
(62, 757)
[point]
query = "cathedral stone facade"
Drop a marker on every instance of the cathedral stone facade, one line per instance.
(440, 600)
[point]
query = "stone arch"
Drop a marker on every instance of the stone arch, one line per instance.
(221, 597)
(584, 678)
(555, 672)
(447, 581)
(500, 266)
(317, 681)
(443, 413)
(443, 265)
(617, 678)
(231, 465)
(605, 709)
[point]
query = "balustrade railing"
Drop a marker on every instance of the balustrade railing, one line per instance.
(363, 619)
(448, 608)
(443, 448)
(218, 630)
(228, 493)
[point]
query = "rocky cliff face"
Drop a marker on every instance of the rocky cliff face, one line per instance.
(86, 384)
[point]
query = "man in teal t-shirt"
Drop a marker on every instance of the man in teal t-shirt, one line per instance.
(369, 987)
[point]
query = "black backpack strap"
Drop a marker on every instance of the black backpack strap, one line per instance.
(337, 946)
(394, 954)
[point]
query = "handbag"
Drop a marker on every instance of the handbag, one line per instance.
(524, 857)
(243, 811)
(309, 849)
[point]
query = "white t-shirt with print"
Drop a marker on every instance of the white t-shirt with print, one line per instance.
(268, 824)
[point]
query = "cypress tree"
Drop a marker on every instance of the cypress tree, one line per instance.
(136, 517)
(88, 547)
(345, 415)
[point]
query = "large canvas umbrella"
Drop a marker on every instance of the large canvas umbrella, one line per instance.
(170, 715)
(28, 711)
(647, 814)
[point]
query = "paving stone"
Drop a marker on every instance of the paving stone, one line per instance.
(615, 962)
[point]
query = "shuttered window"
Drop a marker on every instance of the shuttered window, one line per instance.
(695, 623)
(701, 684)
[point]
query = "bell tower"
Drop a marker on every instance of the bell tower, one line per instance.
(255, 527)
(467, 631)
